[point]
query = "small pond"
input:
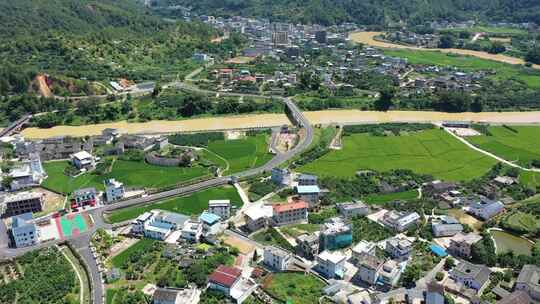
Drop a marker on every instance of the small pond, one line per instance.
(506, 241)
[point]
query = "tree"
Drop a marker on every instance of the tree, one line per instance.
(497, 48)
(439, 276)
(6, 182)
(449, 263)
(446, 42)
(255, 255)
(533, 55)
(385, 99)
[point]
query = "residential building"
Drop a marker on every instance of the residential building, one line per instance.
(368, 268)
(331, 264)
(114, 190)
(290, 213)
(211, 223)
(389, 273)
(137, 225)
(192, 231)
(516, 297)
(529, 281)
(277, 258)
(461, 244)
(25, 174)
(24, 230)
(83, 160)
(448, 226)
(437, 187)
(309, 194)
(321, 37)
(281, 176)
(435, 293)
(22, 202)
(399, 221)
(359, 250)
(307, 180)
(399, 248)
(470, 275)
(222, 208)
(84, 197)
(224, 278)
(256, 217)
(307, 245)
(176, 295)
(485, 209)
(352, 209)
(335, 233)
(162, 223)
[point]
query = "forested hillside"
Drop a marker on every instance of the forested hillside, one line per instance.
(370, 12)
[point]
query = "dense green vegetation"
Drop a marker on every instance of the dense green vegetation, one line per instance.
(430, 152)
(370, 12)
(365, 229)
(379, 199)
(519, 144)
(271, 236)
(45, 277)
(192, 204)
(294, 287)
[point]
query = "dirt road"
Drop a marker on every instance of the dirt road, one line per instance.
(368, 39)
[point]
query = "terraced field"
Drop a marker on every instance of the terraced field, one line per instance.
(428, 152)
(519, 144)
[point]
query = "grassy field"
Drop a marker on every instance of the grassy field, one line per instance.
(491, 30)
(431, 152)
(141, 246)
(131, 173)
(522, 222)
(469, 63)
(299, 229)
(242, 154)
(189, 205)
(378, 199)
(296, 288)
(521, 146)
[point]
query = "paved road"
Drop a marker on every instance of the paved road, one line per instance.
(82, 241)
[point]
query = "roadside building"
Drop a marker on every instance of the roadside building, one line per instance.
(162, 223)
(485, 209)
(257, 217)
(84, 197)
(281, 176)
(529, 281)
(290, 213)
(307, 180)
(24, 230)
(461, 244)
(224, 278)
(307, 245)
(276, 258)
(331, 265)
(192, 231)
(211, 223)
(399, 248)
(137, 225)
(309, 194)
(399, 221)
(335, 233)
(19, 203)
(83, 160)
(368, 268)
(222, 208)
(470, 275)
(352, 209)
(114, 190)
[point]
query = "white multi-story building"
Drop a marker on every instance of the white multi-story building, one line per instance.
(368, 268)
(192, 231)
(399, 248)
(114, 190)
(220, 207)
(276, 258)
(83, 160)
(309, 194)
(352, 209)
(331, 264)
(24, 230)
(400, 221)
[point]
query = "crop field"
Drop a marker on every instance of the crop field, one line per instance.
(131, 173)
(291, 287)
(242, 154)
(491, 30)
(520, 146)
(193, 204)
(469, 63)
(522, 222)
(431, 152)
(141, 246)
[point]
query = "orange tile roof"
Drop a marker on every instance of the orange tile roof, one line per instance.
(291, 206)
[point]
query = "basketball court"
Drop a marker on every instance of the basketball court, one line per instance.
(72, 224)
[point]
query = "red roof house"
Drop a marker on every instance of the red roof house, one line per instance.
(224, 277)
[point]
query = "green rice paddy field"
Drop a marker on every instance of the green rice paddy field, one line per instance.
(520, 146)
(193, 204)
(427, 152)
(242, 154)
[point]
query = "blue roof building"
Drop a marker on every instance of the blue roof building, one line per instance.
(438, 250)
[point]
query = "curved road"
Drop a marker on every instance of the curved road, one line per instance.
(81, 243)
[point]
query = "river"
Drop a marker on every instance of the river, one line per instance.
(270, 120)
(368, 38)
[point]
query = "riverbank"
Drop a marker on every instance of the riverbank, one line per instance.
(368, 38)
(271, 120)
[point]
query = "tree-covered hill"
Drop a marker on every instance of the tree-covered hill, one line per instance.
(370, 12)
